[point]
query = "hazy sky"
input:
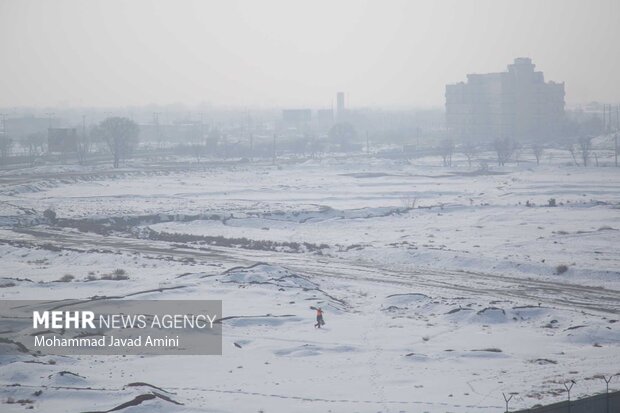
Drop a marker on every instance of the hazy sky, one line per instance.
(295, 53)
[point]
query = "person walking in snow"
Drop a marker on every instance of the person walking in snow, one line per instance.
(319, 318)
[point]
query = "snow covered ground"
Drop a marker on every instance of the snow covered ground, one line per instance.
(442, 287)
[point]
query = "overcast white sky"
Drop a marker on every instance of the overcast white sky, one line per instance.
(295, 53)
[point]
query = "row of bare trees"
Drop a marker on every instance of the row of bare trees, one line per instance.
(582, 149)
(118, 134)
(506, 149)
(33, 144)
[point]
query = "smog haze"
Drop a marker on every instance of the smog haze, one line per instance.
(295, 53)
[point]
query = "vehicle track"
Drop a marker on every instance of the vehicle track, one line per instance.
(537, 292)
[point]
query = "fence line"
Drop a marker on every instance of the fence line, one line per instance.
(600, 403)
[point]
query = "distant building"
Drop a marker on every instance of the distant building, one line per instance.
(516, 104)
(62, 140)
(340, 105)
(297, 115)
(21, 127)
(179, 131)
(325, 115)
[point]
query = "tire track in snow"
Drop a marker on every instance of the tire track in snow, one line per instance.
(569, 296)
(275, 395)
(377, 350)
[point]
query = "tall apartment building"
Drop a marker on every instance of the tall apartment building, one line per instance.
(516, 104)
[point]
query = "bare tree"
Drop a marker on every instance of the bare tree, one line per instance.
(504, 149)
(343, 134)
(197, 150)
(571, 149)
(470, 150)
(213, 141)
(195, 136)
(538, 150)
(516, 150)
(446, 149)
(33, 144)
(585, 148)
(315, 147)
(120, 135)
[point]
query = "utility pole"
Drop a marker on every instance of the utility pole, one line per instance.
(202, 127)
(82, 145)
(4, 142)
(84, 129)
(156, 123)
(4, 115)
(225, 137)
(616, 148)
(417, 138)
(251, 146)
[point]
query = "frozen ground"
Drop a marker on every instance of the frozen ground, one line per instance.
(443, 287)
